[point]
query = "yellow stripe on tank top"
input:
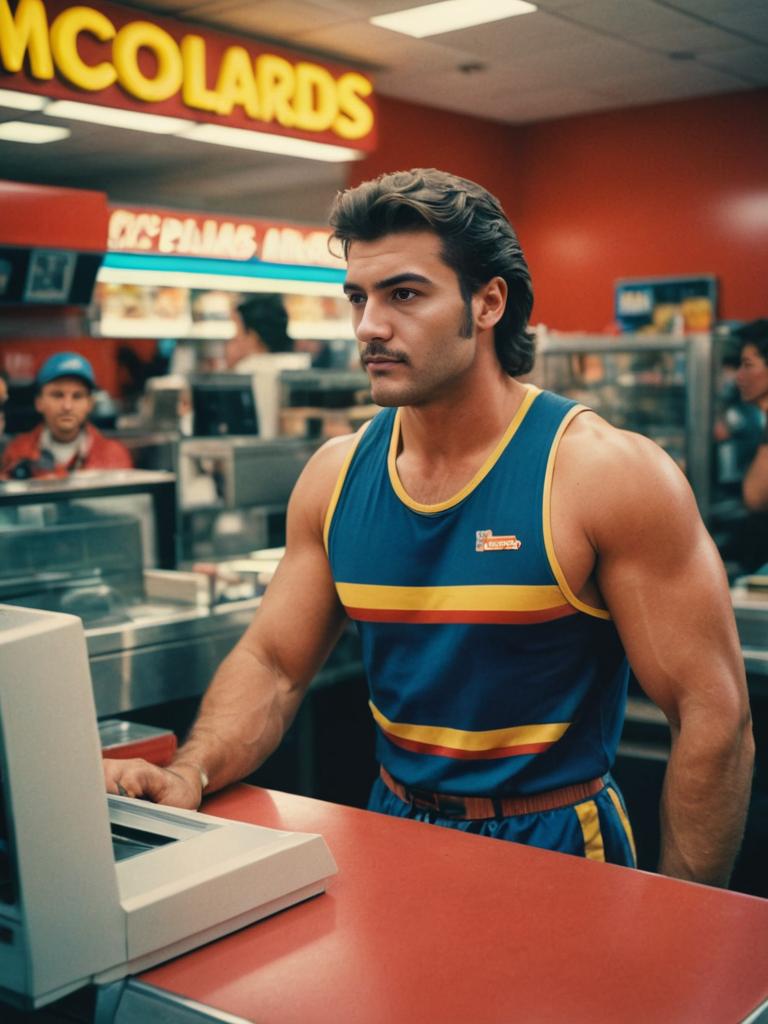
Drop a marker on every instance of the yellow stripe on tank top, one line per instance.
(471, 598)
(461, 739)
(549, 544)
(340, 483)
(589, 819)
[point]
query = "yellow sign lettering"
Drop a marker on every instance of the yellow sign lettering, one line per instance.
(276, 81)
(64, 32)
(355, 118)
(153, 66)
(194, 90)
(315, 100)
(236, 85)
(26, 33)
(132, 38)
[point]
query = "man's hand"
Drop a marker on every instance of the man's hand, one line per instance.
(178, 786)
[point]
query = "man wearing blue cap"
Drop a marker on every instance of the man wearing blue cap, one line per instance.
(65, 440)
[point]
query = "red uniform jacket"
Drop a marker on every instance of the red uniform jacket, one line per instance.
(101, 453)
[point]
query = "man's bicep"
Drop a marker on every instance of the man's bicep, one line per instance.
(300, 617)
(667, 591)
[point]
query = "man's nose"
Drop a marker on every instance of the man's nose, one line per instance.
(373, 324)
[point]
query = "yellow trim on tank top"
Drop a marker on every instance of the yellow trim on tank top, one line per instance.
(479, 597)
(464, 739)
(340, 483)
(487, 466)
(549, 545)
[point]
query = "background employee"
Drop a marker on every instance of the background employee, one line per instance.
(65, 441)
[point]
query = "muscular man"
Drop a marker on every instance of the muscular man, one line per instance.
(64, 441)
(499, 548)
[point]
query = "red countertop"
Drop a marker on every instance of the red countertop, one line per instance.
(426, 924)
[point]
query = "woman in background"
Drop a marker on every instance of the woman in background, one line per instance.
(752, 381)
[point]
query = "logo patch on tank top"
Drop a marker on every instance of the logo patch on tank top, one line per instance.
(485, 541)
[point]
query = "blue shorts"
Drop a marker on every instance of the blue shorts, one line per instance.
(597, 828)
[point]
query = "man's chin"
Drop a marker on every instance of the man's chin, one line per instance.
(65, 436)
(387, 397)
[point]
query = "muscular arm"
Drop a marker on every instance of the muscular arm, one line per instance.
(663, 582)
(259, 686)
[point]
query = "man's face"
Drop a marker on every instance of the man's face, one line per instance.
(752, 376)
(409, 318)
(65, 405)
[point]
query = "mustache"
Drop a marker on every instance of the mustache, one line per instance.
(377, 350)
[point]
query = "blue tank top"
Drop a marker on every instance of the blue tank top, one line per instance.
(487, 675)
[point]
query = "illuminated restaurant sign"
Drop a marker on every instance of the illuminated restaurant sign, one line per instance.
(170, 233)
(114, 56)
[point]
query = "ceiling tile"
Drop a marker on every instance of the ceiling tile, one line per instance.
(628, 19)
(281, 20)
(364, 43)
(519, 36)
(751, 22)
(364, 8)
(749, 61)
(694, 38)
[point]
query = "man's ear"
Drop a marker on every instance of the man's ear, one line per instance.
(489, 303)
(38, 398)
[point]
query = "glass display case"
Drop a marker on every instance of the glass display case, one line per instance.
(661, 387)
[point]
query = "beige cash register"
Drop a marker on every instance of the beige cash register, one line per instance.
(93, 888)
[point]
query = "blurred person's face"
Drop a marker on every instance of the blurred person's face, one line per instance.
(3, 400)
(752, 376)
(65, 405)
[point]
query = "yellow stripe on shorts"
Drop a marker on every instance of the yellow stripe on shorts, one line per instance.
(589, 819)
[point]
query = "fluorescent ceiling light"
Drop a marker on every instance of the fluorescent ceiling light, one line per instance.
(450, 15)
(23, 131)
(283, 145)
(115, 117)
(21, 100)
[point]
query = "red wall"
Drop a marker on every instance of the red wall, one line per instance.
(416, 136)
(676, 188)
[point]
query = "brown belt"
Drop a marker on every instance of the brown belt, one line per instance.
(474, 807)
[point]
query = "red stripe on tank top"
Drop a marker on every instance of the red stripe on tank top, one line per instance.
(467, 755)
(466, 615)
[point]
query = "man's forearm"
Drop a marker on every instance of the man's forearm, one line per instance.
(243, 717)
(704, 803)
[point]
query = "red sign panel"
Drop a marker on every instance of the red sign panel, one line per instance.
(173, 233)
(122, 57)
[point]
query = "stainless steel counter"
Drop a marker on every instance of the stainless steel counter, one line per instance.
(165, 654)
(162, 654)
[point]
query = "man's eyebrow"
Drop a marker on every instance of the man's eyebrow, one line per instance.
(389, 282)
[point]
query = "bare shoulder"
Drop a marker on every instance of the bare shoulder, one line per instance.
(314, 488)
(620, 482)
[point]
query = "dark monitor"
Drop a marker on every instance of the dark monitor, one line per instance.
(47, 276)
(222, 404)
(20, 412)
